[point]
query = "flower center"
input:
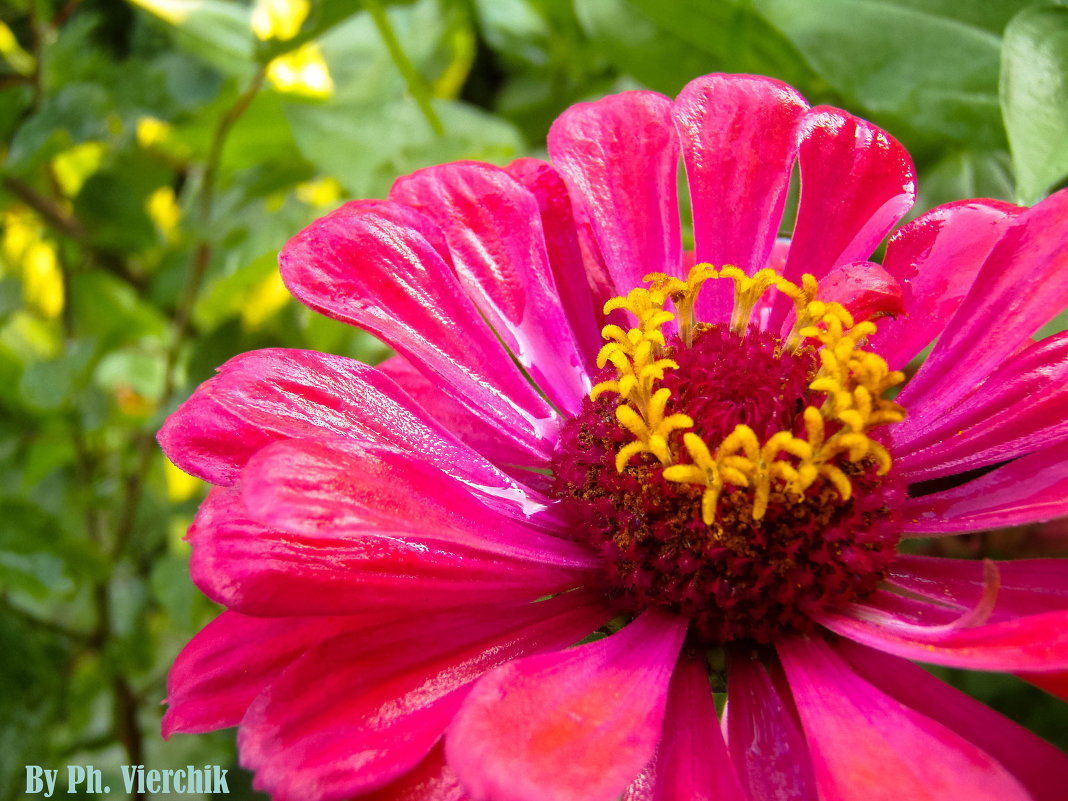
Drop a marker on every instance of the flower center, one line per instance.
(728, 474)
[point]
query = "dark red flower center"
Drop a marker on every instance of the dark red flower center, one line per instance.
(743, 566)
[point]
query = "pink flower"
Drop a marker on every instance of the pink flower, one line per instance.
(409, 554)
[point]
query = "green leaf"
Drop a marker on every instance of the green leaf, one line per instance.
(77, 113)
(367, 145)
(965, 173)
(52, 385)
(219, 33)
(1034, 98)
(110, 311)
(909, 64)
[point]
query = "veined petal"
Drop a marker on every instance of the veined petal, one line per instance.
(493, 226)
(430, 780)
(1030, 489)
(935, 259)
(572, 726)
(865, 289)
(369, 264)
(584, 285)
(620, 158)
(1025, 586)
(470, 428)
(340, 488)
(1021, 285)
(856, 182)
(1021, 407)
(739, 146)
(692, 761)
(269, 395)
(1028, 757)
(358, 711)
(917, 630)
(234, 658)
(865, 745)
(764, 737)
(256, 570)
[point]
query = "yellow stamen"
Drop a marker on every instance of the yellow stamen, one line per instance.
(851, 379)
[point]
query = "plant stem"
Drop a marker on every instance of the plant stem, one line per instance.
(416, 85)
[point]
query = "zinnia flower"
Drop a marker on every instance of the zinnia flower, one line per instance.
(604, 478)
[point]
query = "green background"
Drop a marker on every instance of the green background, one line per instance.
(150, 174)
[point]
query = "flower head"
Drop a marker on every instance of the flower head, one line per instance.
(604, 477)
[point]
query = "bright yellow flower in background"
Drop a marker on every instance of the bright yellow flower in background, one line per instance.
(73, 167)
(279, 19)
(162, 208)
(35, 261)
(302, 72)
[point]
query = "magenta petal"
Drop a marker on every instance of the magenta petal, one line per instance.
(235, 657)
(864, 288)
(584, 286)
(1030, 489)
(1021, 407)
(620, 157)
(868, 747)
(430, 780)
(739, 145)
(918, 630)
(268, 395)
(493, 227)
(369, 264)
(338, 488)
(856, 183)
(1054, 682)
(1032, 760)
(572, 726)
(470, 428)
(1022, 284)
(360, 710)
(936, 258)
(764, 738)
(692, 761)
(255, 570)
(1025, 586)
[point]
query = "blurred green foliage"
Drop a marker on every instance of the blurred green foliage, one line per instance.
(156, 156)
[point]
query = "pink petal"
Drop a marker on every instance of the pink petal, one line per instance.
(856, 183)
(359, 711)
(584, 285)
(739, 146)
(1029, 758)
(369, 264)
(470, 428)
(430, 780)
(234, 658)
(692, 761)
(643, 787)
(339, 488)
(1026, 586)
(865, 745)
(918, 630)
(1054, 682)
(764, 737)
(864, 288)
(493, 227)
(269, 395)
(620, 158)
(1022, 284)
(935, 258)
(1023, 406)
(1030, 489)
(572, 726)
(255, 570)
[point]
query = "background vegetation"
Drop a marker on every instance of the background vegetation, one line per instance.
(155, 157)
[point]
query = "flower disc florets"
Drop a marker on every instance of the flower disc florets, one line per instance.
(727, 474)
